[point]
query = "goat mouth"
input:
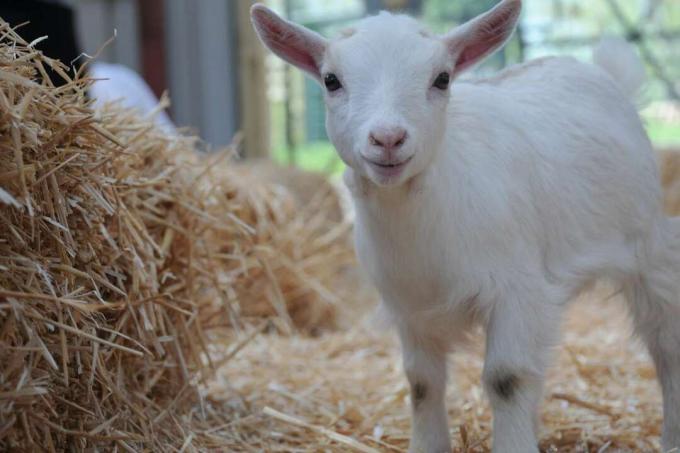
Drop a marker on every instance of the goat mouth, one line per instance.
(388, 169)
(388, 165)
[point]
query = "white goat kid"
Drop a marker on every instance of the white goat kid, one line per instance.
(493, 201)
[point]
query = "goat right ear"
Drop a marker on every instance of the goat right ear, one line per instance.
(295, 44)
(474, 40)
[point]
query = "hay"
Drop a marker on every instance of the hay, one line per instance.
(311, 232)
(130, 267)
(312, 395)
(305, 186)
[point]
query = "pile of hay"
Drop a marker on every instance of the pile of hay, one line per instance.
(124, 258)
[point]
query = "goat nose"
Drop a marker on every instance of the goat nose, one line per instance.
(388, 138)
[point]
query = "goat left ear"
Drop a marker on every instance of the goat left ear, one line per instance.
(474, 40)
(294, 43)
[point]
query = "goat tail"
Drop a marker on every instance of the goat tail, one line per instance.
(619, 59)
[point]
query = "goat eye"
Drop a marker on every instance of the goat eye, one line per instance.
(331, 81)
(442, 81)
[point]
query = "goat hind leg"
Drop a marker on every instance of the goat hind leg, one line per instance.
(653, 297)
(657, 322)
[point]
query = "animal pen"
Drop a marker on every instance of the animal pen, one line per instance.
(153, 298)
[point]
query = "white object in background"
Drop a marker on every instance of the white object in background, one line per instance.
(115, 82)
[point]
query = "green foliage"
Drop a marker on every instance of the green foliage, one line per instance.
(440, 15)
(315, 156)
(663, 133)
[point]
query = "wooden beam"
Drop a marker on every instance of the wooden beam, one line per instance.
(254, 106)
(152, 34)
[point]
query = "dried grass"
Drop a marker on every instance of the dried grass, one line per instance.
(312, 395)
(125, 260)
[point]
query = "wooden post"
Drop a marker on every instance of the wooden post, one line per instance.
(254, 106)
(152, 40)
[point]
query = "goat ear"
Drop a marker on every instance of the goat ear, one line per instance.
(474, 40)
(295, 44)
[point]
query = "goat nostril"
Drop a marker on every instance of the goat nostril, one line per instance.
(375, 141)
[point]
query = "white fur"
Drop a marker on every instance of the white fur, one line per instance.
(521, 190)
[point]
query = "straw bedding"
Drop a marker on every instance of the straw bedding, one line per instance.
(130, 268)
(346, 391)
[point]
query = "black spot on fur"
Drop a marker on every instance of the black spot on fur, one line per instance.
(418, 393)
(505, 386)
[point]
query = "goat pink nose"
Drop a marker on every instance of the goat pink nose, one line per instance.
(388, 138)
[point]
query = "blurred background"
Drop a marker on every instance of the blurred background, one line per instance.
(221, 81)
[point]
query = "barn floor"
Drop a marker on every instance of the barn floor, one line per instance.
(345, 391)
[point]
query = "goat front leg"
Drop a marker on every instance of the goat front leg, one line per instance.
(520, 335)
(425, 367)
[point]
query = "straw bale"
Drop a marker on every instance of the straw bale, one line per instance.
(125, 258)
(669, 160)
(313, 204)
(303, 185)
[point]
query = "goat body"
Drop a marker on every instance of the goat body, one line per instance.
(545, 179)
(545, 182)
(518, 192)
